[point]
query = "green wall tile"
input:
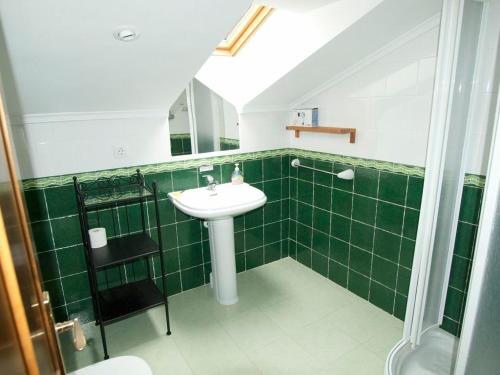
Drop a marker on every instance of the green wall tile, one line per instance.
(173, 283)
(191, 255)
(76, 287)
(322, 197)
(407, 251)
(169, 236)
(415, 189)
(319, 264)
(465, 239)
(459, 272)
(254, 238)
(470, 204)
(272, 252)
(72, 260)
(341, 227)
(272, 168)
(272, 189)
(392, 187)
(382, 297)
(35, 202)
(272, 233)
(252, 171)
(450, 326)
(453, 305)
(188, 232)
(364, 209)
(66, 231)
(272, 212)
(387, 245)
(163, 182)
(338, 273)
(411, 223)
(342, 203)
(305, 191)
(321, 220)
(366, 182)
(192, 277)
(400, 306)
(185, 179)
(339, 251)
(61, 201)
(254, 218)
(42, 236)
(255, 257)
(385, 272)
(360, 261)
(304, 255)
(362, 235)
(404, 276)
(240, 262)
(304, 235)
(390, 217)
(321, 243)
(323, 178)
(171, 259)
(239, 242)
(305, 214)
(285, 165)
(358, 284)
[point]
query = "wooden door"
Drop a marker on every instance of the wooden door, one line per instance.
(28, 342)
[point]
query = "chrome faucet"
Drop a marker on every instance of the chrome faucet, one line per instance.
(211, 183)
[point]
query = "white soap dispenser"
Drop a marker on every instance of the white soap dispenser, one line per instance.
(236, 176)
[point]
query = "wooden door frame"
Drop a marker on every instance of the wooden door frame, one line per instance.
(7, 271)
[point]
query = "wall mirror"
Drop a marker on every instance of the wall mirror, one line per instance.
(202, 121)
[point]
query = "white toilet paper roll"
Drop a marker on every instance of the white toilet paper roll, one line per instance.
(98, 237)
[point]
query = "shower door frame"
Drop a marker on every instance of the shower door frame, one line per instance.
(448, 49)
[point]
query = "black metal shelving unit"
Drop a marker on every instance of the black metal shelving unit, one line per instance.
(120, 302)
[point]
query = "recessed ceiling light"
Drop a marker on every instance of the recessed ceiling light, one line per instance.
(126, 34)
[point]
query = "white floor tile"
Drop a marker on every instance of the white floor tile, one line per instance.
(284, 356)
(289, 320)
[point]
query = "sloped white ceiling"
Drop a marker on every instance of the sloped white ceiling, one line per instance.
(380, 26)
(64, 58)
(296, 52)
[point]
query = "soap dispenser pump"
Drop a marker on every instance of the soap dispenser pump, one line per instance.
(236, 176)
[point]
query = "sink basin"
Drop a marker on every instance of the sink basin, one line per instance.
(218, 207)
(226, 200)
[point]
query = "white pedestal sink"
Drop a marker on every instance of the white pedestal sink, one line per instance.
(219, 207)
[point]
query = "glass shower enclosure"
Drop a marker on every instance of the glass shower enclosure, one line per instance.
(466, 89)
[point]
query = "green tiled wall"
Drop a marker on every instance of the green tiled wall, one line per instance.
(180, 144)
(359, 233)
(261, 235)
(462, 258)
(229, 144)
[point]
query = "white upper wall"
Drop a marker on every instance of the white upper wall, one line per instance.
(282, 42)
(485, 94)
(387, 99)
(65, 59)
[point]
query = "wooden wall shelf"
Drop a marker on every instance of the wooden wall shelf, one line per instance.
(323, 129)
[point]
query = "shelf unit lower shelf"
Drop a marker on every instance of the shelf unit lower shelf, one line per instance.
(129, 299)
(124, 249)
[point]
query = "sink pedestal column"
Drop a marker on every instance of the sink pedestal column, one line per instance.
(221, 235)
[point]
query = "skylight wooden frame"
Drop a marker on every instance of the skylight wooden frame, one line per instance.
(243, 31)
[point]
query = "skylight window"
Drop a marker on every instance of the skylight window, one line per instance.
(243, 30)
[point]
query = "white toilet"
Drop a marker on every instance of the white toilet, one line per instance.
(125, 365)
